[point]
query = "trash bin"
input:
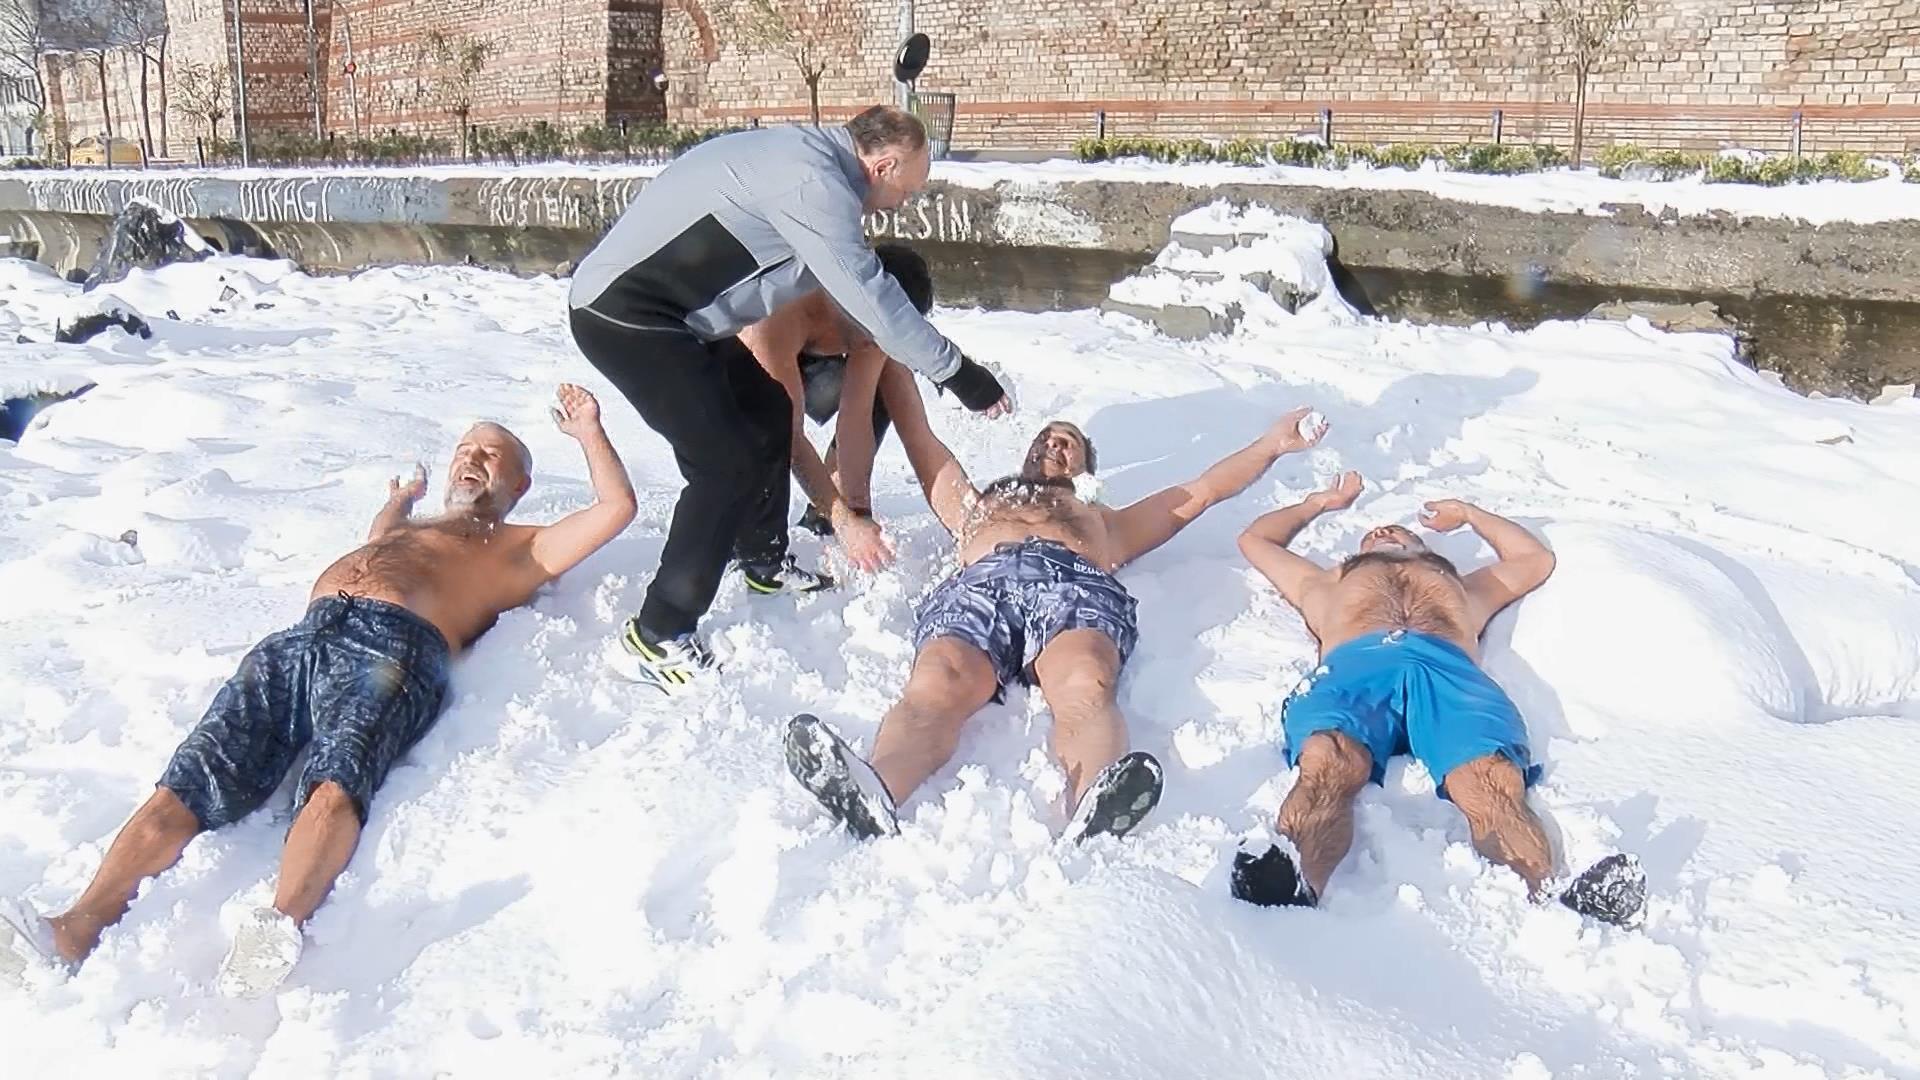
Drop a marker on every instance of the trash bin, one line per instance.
(936, 111)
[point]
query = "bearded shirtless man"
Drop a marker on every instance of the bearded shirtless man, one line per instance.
(361, 678)
(1399, 631)
(1035, 598)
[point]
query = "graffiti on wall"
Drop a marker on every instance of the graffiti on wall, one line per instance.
(280, 200)
(556, 202)
(938, 216)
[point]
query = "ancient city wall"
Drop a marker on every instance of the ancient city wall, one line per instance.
(1693, 73)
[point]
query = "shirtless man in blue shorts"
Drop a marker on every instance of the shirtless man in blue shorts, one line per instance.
(357, 681)
(1035, 600)
(1399, 630)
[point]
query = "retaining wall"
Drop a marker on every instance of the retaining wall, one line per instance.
(544, 223)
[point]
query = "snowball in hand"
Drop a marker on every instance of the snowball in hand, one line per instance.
(1312, 426)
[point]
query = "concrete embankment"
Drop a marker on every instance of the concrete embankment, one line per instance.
(1028, 244)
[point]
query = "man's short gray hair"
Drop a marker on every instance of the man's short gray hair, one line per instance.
(885, 127)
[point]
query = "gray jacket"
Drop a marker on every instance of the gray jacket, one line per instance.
(740, 226)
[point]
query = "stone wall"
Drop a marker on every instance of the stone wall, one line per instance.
(1691, 73)
(1687, 73)
(198, 32)
(568, 62)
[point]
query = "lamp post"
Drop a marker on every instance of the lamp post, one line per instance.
(240, 85)
(902, 90)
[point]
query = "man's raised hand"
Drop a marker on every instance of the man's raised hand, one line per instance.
(578, 413)
(1301, 429)
(1445, 515)
(1340, 494)
(412, 490)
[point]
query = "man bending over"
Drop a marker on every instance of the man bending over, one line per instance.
(361, 678)
(1399, 630)
(1035, 598)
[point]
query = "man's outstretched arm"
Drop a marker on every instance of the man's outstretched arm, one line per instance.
(561, 546)
(1155, 519)
(1264, 543)
(1525, 563)
(948, 489)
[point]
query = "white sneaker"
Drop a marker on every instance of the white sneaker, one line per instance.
(26, 939)
(265, 949)
(672, 666)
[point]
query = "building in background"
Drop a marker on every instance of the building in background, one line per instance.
(18, 108)
(1844, 74)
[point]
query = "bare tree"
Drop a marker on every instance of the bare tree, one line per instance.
(206, 92)
(457, 64)
(1587, 31)
(816, 35)
(23, 43)
(142, 25)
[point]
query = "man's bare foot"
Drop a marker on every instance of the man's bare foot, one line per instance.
(27, 938)
(74, 938)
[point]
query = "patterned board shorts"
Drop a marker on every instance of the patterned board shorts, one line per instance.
(1021, 596)
(361, 680)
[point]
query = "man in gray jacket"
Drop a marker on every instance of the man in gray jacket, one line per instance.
(721, 238)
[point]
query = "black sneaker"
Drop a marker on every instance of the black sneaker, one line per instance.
(1271, 879)
(785, 576)
(1613, 890)
(1118, 798)
(815, 522)
(843, 782)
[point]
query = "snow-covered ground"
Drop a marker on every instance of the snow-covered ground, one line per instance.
(571, 876)
(1577, 191)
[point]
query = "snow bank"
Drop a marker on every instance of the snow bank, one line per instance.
(569, 876)
(1566, 191)
(1240, 264)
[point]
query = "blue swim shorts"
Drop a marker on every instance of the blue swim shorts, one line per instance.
(1021, 596)
(1401, 692)
(361, 680)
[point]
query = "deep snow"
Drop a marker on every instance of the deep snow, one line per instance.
(572, 876)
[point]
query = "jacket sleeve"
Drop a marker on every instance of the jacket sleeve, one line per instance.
(821, 221)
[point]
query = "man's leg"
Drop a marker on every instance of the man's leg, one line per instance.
(763, 402)
(150, 842)
(950, 681)
(1318, 813)
(1492, 792)
(318, 848)
(1078, 672)
(682, 391)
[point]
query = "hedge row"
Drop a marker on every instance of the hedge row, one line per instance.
(1478, 158)
(1615, 161)
(540, 141)
(1853, 167)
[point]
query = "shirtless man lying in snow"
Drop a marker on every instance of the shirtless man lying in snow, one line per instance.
(362, 677)
(1399, 631)
(1035, 597)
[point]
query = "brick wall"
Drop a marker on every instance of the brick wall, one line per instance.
(1687, 73)
(1696, 73)
(569, 62)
